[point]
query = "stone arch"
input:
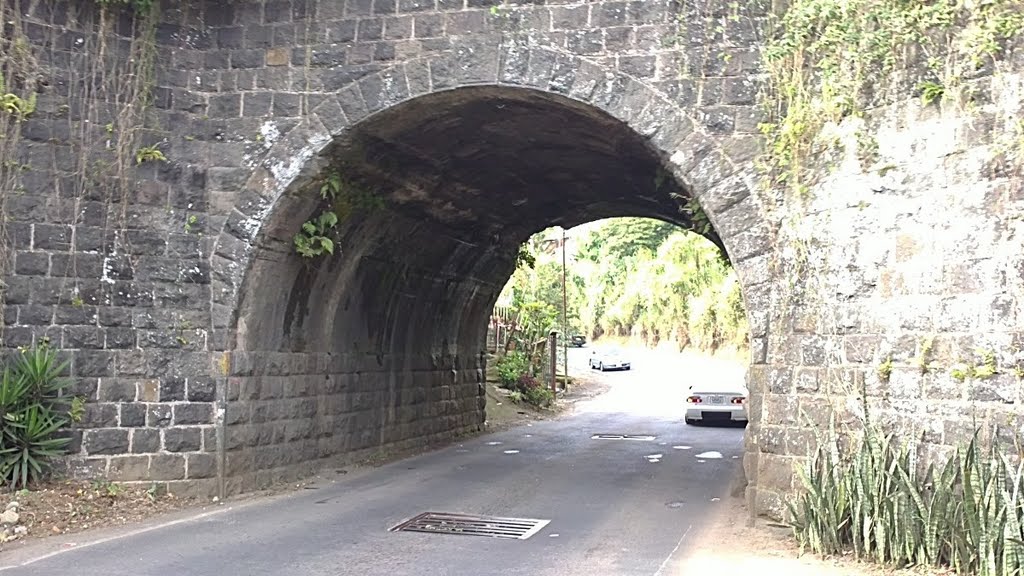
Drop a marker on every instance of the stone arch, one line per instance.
(694, 157)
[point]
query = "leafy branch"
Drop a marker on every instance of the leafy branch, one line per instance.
(341, 198)
(313, 240)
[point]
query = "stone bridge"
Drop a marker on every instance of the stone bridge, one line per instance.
(171, 159)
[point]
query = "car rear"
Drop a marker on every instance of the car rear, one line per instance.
(716, 406)
(615, 360)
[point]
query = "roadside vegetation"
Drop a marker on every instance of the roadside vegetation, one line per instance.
(35, 411)
(881, 505)
(518, 373)
(634, 279)
(629, 278)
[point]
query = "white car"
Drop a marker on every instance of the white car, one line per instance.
(608, 359)
(708, 403)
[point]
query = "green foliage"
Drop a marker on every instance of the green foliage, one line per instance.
(77, 409)
(624, 238)
(137, 5)
(885, 370)
(341, 198)
(535, 393)
(106, 488)
(966, 514)
(514, 373)
(149, 154)
(313, 240)
(987, 367)
(510, 367)
(924, 349)
(678, 288)
(631, 277)
(33, 413)
(524, 259)
(831, 59)
(698, 218)
(18, 107)
(984, 368)
(931, 92)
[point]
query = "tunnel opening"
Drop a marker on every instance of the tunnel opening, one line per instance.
(643, 281)
(628, 294)
(379, 341)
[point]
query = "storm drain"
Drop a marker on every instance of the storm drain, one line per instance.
(469, 525)
(640, 437)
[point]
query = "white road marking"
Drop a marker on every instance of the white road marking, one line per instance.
(673, 552)
(71, 547)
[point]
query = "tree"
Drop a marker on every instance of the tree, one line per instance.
(633, 277)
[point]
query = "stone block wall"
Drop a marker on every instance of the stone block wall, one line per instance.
(291, 414)
(214, 358)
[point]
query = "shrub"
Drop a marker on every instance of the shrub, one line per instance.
(534, 392)
(33, 413)
(510, 367)
(539, 396)
(966, 514)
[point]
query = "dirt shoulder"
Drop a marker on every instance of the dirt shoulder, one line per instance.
(503, 413)
(730, 545)
(69, 507)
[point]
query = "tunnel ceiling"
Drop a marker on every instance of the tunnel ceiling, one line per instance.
(501, 162)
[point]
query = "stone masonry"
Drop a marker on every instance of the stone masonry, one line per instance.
(217, 360)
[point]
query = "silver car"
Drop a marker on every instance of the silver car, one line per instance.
(716, 404)
(608, 359)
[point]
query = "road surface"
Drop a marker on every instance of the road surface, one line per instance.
(616, 507)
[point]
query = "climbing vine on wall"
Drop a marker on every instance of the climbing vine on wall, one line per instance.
(832, 60)
(17, 104)
(110, 74)
(827, 64)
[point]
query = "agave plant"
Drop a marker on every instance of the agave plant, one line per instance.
(31, 416)
(30, 443)
(967, 514)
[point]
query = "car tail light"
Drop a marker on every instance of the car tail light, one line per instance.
(739, 400)
(694, 400)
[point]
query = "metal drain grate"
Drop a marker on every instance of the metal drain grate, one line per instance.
(469, 525)
(639, 437)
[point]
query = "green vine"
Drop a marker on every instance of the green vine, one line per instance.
(830, 60)
(18, 88)
(112, 103)
(341, 198)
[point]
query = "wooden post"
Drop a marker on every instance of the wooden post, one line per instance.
(553, 347)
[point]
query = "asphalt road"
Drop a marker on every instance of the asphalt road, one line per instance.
(615, 507)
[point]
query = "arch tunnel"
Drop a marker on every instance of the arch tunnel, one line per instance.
(379, 345)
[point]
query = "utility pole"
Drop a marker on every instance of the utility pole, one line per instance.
(565, 323)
